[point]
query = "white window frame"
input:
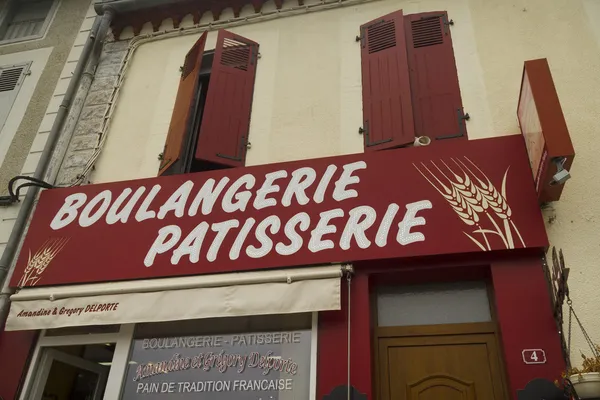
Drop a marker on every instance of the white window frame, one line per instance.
(6, 13)
(124, 340)
(26, 66)
(38, 59)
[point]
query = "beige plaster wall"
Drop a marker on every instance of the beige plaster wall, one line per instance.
(60, 37)
(307, 100)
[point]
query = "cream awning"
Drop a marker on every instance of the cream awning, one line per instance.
(286, 291)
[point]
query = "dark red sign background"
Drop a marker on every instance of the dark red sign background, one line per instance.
(103, 252)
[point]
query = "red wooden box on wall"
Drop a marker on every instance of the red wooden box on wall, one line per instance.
(544, 128)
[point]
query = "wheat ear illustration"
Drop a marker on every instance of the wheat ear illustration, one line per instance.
(38, 262)
(496, 200)
(462, 197)
(472, 196)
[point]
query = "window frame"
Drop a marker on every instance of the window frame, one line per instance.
(123, 340)
(7, 13)
(39, 60)
(25, 72)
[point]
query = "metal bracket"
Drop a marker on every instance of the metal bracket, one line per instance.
(254, 54)
(365, 130)
(363, 31)
(241, 151)
(462, 129)
(362, 37)
(446, 23)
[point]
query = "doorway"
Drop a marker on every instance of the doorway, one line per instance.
(72, 372)
(78, 363)
(437, 341)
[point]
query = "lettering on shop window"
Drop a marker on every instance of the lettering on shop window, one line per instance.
(363, 226)
(254, 366)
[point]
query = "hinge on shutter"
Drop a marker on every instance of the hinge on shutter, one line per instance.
(254, 55)
(244, 144)
(363, 31)
(462, 126)
(362, 36)
(365, 130)
(446, 23)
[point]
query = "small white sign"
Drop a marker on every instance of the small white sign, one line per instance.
(534, 356)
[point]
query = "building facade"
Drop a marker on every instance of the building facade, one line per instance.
(401, 250)
(40, 45)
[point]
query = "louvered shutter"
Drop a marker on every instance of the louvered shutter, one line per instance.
(185, 104)
(387, 109)
(436, 97)
(223, 133)
(11, 80)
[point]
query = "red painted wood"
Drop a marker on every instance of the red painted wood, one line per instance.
(387, 109)
(182, 111)
(522, 306)
(121, 253)
(332, 356)
(526, 320)
(15, 351)
(226, 117)
(434, 84)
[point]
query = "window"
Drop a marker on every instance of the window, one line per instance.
(11, 80)
(409, 79)
(433, 304)
(25, 19)
(211, 117)
(257, 357)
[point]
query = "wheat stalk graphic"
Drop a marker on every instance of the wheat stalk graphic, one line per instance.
(38, 262)
(475, 200)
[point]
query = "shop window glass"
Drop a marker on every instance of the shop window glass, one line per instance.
(259, 357)
(433, 304)
(82, 330)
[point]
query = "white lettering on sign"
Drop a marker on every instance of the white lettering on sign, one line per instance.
(534, 356)
(360, 226)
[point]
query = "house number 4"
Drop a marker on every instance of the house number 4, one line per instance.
(534, 356)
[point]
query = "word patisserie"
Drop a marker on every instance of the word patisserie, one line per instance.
(224, 210)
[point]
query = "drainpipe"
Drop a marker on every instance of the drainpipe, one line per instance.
(52, 155)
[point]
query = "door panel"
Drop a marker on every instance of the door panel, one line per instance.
(461, 367)
(437, 387)
(91, 374)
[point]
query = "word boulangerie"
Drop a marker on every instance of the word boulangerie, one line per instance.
(200, 200)
(254, 365)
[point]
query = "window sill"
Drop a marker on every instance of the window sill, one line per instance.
(20, 40)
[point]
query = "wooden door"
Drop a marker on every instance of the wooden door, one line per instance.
(448, 367)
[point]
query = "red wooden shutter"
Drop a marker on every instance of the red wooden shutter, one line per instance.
(436, 98)
(387, 109)
(226, 118)
(184, 104)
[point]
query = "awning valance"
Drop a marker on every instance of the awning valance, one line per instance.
(206, 296)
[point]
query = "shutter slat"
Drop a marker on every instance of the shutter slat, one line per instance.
(434, 84)
(11, 79)
(225, 124)
(387, 109)
(184, 104)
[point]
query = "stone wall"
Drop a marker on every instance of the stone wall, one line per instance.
(90, 126)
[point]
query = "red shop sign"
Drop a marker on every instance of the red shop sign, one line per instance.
(459, 197)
